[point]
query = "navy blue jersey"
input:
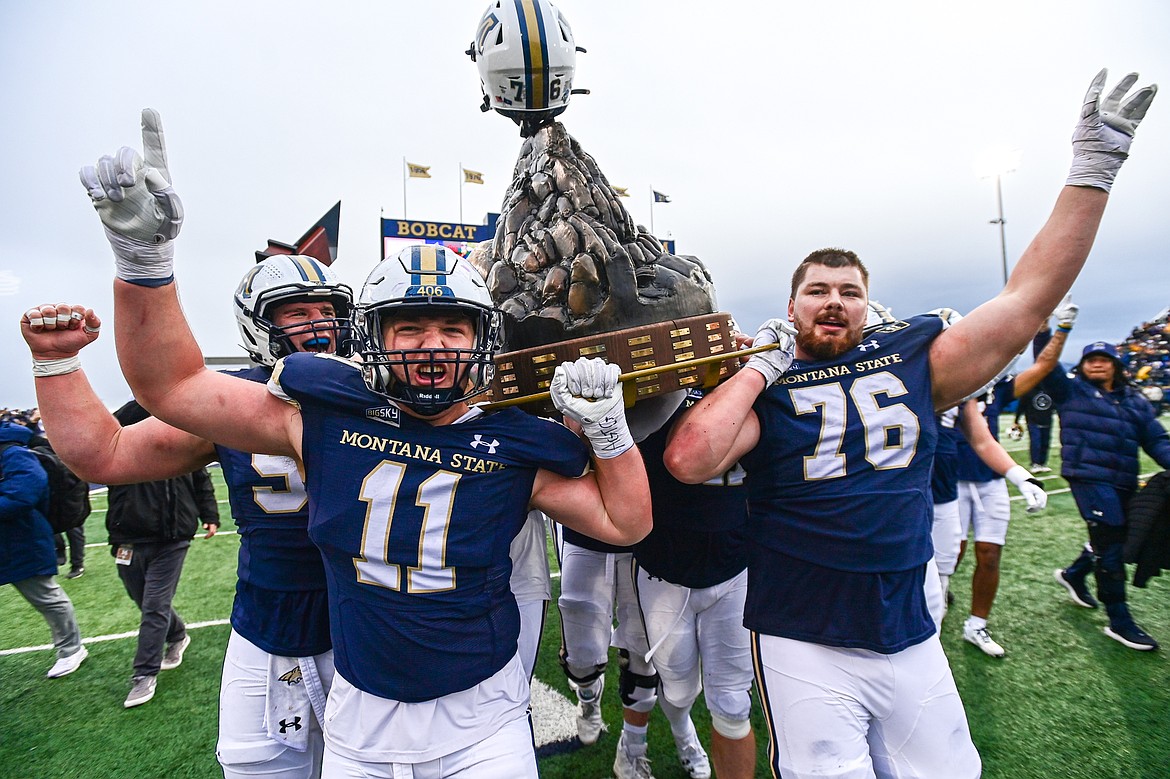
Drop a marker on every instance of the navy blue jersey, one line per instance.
(280, 603)
(700, 530)
(414, 522)
(839, 495)
(944, 476)
(971, 468)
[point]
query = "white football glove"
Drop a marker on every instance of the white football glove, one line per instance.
(138, 207)
(1029, 486)
(773, 363)
(588, 392)
(1105, 130)
(1066, 312)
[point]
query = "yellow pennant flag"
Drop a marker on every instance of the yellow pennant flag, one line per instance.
(620, 191)
(418, 171)
(472, 176)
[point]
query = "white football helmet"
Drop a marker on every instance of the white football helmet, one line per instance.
(877, 315)
(526, 57)
(288, 278)
(428, 279)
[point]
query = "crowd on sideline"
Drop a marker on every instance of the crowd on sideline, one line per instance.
(1146, 356)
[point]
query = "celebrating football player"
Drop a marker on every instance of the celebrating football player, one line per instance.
(835, 433)
(414, 494)
(279, 660)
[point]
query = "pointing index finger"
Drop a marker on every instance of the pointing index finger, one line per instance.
(154, 147)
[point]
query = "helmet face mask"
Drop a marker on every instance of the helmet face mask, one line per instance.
(420, 284)
(526, 56)
(282, 279)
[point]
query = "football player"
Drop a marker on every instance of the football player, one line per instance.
(691, 580)
(597, 585)
(984, 469)
(414, 494)
(279, 660)
(835, 433)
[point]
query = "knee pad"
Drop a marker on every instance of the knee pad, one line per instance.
(582, 677)
(639, 691)
(730, 705)
(732, 729)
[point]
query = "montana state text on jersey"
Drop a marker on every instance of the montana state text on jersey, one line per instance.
(845, 558)
(414, 524)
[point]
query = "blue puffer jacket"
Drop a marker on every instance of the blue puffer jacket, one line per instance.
(26, 540)
(1101, 432)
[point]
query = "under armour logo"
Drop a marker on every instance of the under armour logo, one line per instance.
(865, 347)
(285, 724)
(1098, 513)
(478, 442)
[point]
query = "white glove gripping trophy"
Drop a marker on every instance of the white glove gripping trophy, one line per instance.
(138, 208)
(772, 364)
(588, 392)
(1029, 486)
(1102, 136)
(1066, 313)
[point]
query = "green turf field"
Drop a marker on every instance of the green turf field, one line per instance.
(1065, 702)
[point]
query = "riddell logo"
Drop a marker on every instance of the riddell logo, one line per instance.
(389, 415)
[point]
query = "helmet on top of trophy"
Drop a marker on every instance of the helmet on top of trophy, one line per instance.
(526, 57)
(291, 278)
(428, 280)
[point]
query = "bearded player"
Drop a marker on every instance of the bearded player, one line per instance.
(836, 434)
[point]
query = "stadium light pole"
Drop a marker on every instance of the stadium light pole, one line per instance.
(995, 163)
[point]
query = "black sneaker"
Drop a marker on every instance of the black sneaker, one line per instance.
(75, 572)
(1132, 636)
(1077, 591)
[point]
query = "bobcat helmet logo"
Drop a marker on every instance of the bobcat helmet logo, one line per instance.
(292, 677)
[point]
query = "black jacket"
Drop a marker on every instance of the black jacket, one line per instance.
(167, 510)
(1147, 541)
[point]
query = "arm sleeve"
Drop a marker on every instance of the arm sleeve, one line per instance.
(1056, 384)
(205, 496)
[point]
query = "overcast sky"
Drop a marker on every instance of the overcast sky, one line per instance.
(776, 128)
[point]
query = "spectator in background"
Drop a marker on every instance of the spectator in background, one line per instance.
(26, 546)
(151, 525)
(1104, 422)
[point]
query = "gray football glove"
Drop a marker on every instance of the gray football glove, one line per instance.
(772, 364)
(138, 207)
(588, 392)
(1105, 130)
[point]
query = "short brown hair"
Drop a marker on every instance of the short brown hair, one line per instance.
(830, 258)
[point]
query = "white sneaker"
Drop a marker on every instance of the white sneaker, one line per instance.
(627, 766)
(67, 665)
(589, 712)
(693, 757)
(1038, 468)
(141, 690)
(982, 639)
(173, 657)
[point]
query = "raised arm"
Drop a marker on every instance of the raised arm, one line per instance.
(83, 432)
(159, 356)
(1045, 363)
(971, 352)
(612, 503)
